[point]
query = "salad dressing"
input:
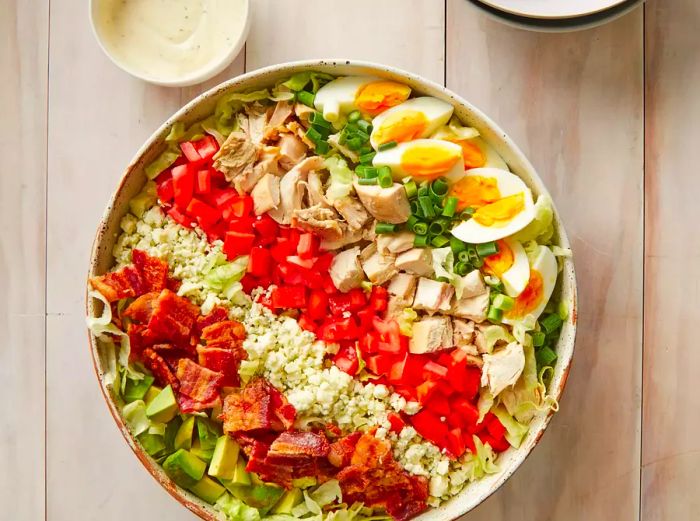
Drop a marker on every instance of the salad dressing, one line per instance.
(169, 39)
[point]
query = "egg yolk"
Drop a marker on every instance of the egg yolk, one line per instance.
(428, 162)
(530, 298)
(473, 156)
(378, 96)
(475, 191)
(403, 126)
(500, 262)
(500, 212)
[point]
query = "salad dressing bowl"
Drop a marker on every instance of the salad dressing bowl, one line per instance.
(134, 178)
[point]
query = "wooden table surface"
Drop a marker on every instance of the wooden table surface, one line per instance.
(609, 116)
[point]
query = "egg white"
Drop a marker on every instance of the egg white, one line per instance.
(392, 157)
(546, 264)
(508, 184)
(436, 111)
(515, 279)
(492, 159)
(337, 97)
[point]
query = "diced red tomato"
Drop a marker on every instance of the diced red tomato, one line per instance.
(496, 428)
(260, 261)
(242, 206)
(203, 182)
(223, 198)
(179, 217)
(286, 297)
(165, 190)
(206, 147)
(237, 244)
(318, 305)
(425, 391)
(243, 225)
(434, 371)
(306, 323)
(183, 184)
(339, 303)
(323, 262)
(190, 152)
(304, 263)
(397, 370)
(455, 443)
(335, 330)
(205, 214)
(431, 427)
(357, 299)
(397, 423)
(379, 364)
(467, 411)
(308, 246)
(438, 404)
(266, 228)
(379, 299)
(346, 360)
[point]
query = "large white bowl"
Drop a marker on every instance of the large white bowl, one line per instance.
(134, 179)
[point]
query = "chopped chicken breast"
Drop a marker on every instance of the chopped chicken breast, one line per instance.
(292, 189)
(279, 116)
(464, 333)
(503, 368)
(432, 295)
(348, 237)
(352, 211)
(346, 271)
(268, 164)
(319, 220)
(402, 289)
(395, 242)
(472, 284)
(418, 261)
(236, 156)
(314, 190)
(431, 334)
(292, 150)
(266, 194)
(303, 112)
(253, 121)
(379, 268)
(388, 205)
(473, 308)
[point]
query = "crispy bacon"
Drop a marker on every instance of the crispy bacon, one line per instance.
(188, 405)
(226, 334)
(294, 445)
(141, 309)
(223, 361)
(197, 382)
(173, 318)
(145, 274)
(160, 369)
(257, 407)
(153, 271)
(341, 451)
(113, 286)
(371, 452)
(217, 314)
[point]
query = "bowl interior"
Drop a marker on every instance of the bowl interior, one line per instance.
(134, 178)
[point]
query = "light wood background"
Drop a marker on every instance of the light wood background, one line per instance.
(609, 116)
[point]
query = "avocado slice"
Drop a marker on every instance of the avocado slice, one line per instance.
(170, 432)
(183, 438)
(184, 468)
(289, 500)
(257, 496)
(153, 444)
(207, 433)
(225, 458)
(207, 489)
(144, 200)
(305, 482)
(201, 453)
(241, 476)
(163, 407)
(137, 389)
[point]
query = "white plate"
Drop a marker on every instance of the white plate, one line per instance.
(552, 8)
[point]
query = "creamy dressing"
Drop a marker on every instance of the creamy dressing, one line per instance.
(169, 40)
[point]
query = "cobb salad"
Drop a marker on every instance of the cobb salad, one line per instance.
(331, 300)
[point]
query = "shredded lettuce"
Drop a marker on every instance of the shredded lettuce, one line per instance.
(478, 464)
(485, 403)
(541, 229)
(443, 261)
(340, 178)
(405, 320)
(134, 415)
(221, 277)
(209, 126)
(248, 368)
(454, 130)
(300, 80)
(495, 333)
(516, 431)
(521, 327)
(327, 493)
(236, 510)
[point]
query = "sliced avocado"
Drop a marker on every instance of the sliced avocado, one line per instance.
(289, 500)
(153, 444)
(151, 394)
(207, 489)
(203, 454)
(241, 476)
(225, 458)
(183, 438)
(144, 200)
(207, 433)
(170, 432)
(137, 389)
(257, 496)
(305, 482)
(163, 407)
(184, 468)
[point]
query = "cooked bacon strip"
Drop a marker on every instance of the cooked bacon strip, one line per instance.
(223, 361)
(145, 274)
(371, 452)
(217, 314)
(341, 451)
(141, 309)
(113, 286)
(160, 369)
(197, 382)
(257, 407)
(188, 405)
(295, 444)
(173, 318)
(153, 271)
(226, 334)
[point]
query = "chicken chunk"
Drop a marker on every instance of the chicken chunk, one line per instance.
(236, 156)
(464, 335)
(314, 190)
(432, 295)
(472, 284)
(379, 268)
(348, 237)
(267, 164)
(292, 189)
(385, 204)
(292, 150)
(352, 211)
(253, 121)
(402, 289)
(473, 308)
(345, 270)
(266, 194)
(503, 368)
(321, 221)
(303, 112)
(431, 334)
(418, 261)
(279, 116)
(395, 242)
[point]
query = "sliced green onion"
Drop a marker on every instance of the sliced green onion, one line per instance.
(366, 159)
(384, 228)
(426, 205)
(461, 268)
(537, 338)
(563, 310)
(354, 143)
(486, 249)
(440, 186)
(436, 228)
(366, 149)
(503, 302)
(411, 189)
(463, 256)
(367, 181)
(450, 206)
(545, 356)
(423, 191)
(494, 314)
(411, 222)
(457, 245)
(420, 228)
(365, 126)
(318, 119)
(384, 175)
(466, 214)
(354, 116)
(342, 138)
(386, 146)
(551, 323)
(307, 98)
(439, 241)
(420, 241)
(314, 135)
(322, 147)
(323, 131)
(443, 279)
(361, 170)
(415, 208)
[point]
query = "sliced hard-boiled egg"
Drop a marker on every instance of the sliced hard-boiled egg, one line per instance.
(413, 119)
(366, 93)
(534, 298)
(422, 159)
(479, 154)
(510, 265)
(501, 201)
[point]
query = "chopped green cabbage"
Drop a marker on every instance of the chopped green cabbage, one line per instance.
(327, 493)
(209, 126)
(495, 333)
(478, 464)
(405, 320)
(163, 161)
(516, 431)
(221, 276)
(541, 229)
(340, 178)
(134, 415)
(299, 80)
(236, 510)
(455, 130)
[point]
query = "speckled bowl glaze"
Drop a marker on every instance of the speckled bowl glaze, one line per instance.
(134, 178)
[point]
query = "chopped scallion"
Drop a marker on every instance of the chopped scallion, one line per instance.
(486, 249)
(551, 323)
(420, 241)
(457, 245)
(354, 116)
(384, 175)
(411, 189)
(367, 181)
(307, 98)
(386, 146)
(366, 159)
(439, 241)
(494, 314)
(322, 147)
(537, 338)
(461, 269)
(354, 143)
(545, 357)
(426, 205)
(440, 186)
(503, 302)
(314, 135)
(450, 206)
(436, 228)
(384, 228)
(364, 125)
(463, 256)
(420, 228)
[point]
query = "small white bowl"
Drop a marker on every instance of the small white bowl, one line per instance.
(187, 79)
(552, 9)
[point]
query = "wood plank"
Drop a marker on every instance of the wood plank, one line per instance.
(91, 473)
(574, 103)
(405, 34)
(23, 90)
(671, 448)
